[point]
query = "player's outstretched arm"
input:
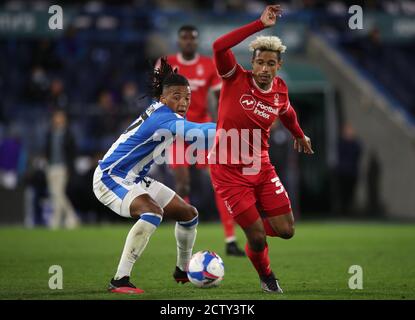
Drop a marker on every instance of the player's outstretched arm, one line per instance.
(195, 132)
(224, 59)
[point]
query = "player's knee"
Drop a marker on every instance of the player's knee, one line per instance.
(158, 210)
(287, 232)
(191, 212)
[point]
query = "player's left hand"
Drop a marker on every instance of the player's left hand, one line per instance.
(303, 145)
(270, 15)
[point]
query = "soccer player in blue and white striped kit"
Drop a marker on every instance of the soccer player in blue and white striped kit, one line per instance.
(120, 180)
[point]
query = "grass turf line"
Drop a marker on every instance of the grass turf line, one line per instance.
(312, 265)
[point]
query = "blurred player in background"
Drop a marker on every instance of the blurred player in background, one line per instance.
(202, 76)
(121, 182)
(253, 100)
(60, 154)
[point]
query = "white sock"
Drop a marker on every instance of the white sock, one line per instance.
(185, 232)
(136, 242)
(230, 239)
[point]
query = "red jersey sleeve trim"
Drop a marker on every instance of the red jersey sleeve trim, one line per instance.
(286, 109)
(230, 73)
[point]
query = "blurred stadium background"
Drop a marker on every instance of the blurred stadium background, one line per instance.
(353, 91)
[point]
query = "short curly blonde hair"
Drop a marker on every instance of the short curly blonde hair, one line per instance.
(270, 43)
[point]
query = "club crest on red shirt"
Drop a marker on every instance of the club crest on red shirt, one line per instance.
(276, 99)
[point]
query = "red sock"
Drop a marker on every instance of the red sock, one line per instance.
(268, 228)
(260, 260)
(225, 217)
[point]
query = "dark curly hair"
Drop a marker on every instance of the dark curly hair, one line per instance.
(164, 76)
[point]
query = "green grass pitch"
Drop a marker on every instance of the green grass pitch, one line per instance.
(312, 265)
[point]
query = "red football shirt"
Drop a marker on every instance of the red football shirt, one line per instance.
(247, 112)
(202, 76)
(243, 105)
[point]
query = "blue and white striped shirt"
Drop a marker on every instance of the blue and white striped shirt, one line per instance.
(131, 156)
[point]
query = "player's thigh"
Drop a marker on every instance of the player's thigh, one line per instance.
(137, 201)
(179, 210)
(161, 194)
(110, 193)
(173, 205)
(144, 204)
(271, 195)
(233, 189)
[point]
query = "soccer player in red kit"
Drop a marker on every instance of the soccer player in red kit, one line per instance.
(252, 101)
(202, 76)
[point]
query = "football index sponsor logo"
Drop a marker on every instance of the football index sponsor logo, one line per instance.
(264, 110)
(247, 102)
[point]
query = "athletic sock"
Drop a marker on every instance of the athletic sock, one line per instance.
(226, 219)
(185, 232)
(136, 242)
(260, 260)
(230, 239)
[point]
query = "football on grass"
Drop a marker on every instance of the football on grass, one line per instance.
(206, 269)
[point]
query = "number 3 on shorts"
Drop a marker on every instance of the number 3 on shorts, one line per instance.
(278, 184)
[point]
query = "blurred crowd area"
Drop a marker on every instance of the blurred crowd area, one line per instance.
(219, 6)
(94, 75)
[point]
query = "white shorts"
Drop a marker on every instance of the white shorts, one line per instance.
(118, 193)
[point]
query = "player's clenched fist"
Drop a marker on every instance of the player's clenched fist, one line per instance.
(270, 14)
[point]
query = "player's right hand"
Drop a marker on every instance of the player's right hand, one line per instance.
(303, 145)
(270, 15)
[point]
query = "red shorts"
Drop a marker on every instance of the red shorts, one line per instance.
(240, 192)
(179, 156)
